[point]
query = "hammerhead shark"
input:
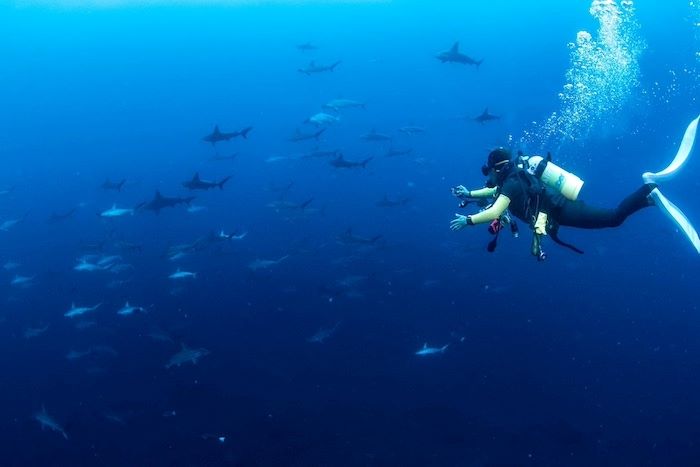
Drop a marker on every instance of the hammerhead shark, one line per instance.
(341, 163)
(160, 202)
(386, 202)
(455, 56)
(299, 136)
(198, 184)
(349, 238)
(486, 117)
(306, 47)
(217, 136)
(312, 67)
(47, 421)
(110, 185)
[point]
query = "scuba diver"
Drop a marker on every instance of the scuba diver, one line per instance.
(545, 196)
(484, 199)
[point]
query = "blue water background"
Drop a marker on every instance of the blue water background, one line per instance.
(580, 360)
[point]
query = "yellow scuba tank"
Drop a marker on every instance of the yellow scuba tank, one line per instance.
(553, 176)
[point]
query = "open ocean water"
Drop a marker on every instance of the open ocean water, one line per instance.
(224, 234)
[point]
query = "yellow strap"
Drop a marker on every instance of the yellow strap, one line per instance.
(541, 224)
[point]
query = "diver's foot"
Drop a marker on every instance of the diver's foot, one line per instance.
(648, 177)
(650, 186)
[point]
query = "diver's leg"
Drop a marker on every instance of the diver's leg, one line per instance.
(579, 214)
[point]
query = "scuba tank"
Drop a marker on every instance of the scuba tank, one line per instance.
(553, 176)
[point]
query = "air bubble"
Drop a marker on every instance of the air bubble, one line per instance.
(602, 78)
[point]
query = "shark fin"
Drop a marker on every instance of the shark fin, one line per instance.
(455, 48)
(244, 132)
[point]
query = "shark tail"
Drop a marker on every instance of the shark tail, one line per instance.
(319, 133)
(305, 204)
(444, 347)
(244, 132)
(364, 162)
(478, 63)
(223, 182)
(332, 67)
(376, 238)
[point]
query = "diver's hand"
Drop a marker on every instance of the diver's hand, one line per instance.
(460, 192)
(459, 222)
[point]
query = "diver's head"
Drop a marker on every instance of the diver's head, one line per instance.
(498, 166)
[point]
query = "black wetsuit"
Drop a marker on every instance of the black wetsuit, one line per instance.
(528, 196)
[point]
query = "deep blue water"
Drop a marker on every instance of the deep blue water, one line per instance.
(579, 360)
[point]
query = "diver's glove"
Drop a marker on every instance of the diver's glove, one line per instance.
(461, 192)
(460, 222)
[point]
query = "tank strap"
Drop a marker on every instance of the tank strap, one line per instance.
(553, 231)
(532, 188)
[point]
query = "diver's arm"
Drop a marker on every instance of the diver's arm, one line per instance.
(487, 215)
(493, 212)
(483, 193)
(461, 192)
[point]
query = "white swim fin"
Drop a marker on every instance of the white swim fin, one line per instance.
(671, 210)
